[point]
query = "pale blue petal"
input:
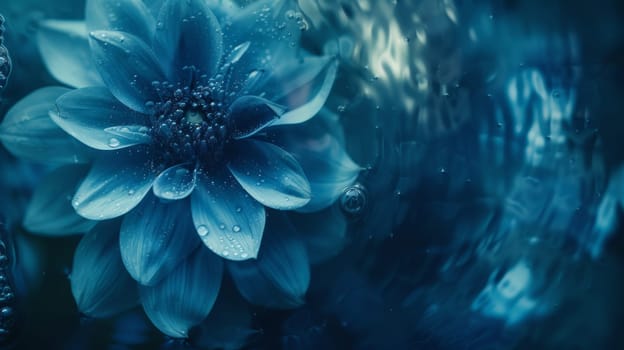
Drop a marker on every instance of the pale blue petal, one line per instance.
(28, 132)
(99, 282)
(279, 278)
(188, 35)
(324, 232)
(155, 237)
(117, 182)
(64, 47)
(273, 35)
(88, 113)
(185, 297)
(318, 148)
(130, 16)
(50, 210)
(270, 175)
(227, 219)
(303, 87)
(127, 66)
(176, 182)
(250, 114)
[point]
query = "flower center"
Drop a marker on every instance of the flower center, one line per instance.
(190, 124)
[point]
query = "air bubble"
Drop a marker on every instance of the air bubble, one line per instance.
(353, 200)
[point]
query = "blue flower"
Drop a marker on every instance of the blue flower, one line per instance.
(191, 121)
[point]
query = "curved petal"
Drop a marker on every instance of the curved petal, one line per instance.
(185, 297)
(323, 158)
(130, 16)
(250, 114)
(280, 277)
(303, 87)
(100, 284)
(64, 47)
(155, 237)
(324, 232)
(28, 132)
(127, 66)
(226, 218)
(269, 174)
(188, 35)
(273, 33)
(87, 113)
(117, 182)
(176, 182)
(50, 211)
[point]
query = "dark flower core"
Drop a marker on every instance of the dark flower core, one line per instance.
(190, 123)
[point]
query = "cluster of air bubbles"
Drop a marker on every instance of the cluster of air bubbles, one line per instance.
(7, 296)
(297, 17)
(5, 60)
(353, 200)
(190, 123)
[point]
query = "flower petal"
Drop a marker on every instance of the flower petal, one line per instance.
(269, 174)
(322, 157)
(130, 16)
(279, 278)
(226, 218)
(99, 282)
(250, 114)
(155, 237)
(50, 211)
(272, 31)
(127, 66)
(64, 47)
(117, 182)
(185, 297)
(176, 182)
(324, 232)
(303, 87)
(87, 113)
(188, 35)
(28, 132)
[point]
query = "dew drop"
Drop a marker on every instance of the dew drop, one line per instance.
(225, 253)
(113, 142)
(244, 255)
(202, 230)
(236, 228)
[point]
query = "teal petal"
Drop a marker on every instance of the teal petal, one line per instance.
(28, 132)
(94, 117)
(270, 175)
(302, 86)
(130, 16)
(64, 47)
(116, 184)
(280, 277)
(50, 211)
(188, 35)
(155, 237)
(99, 282)
(227, 219)
(185, 297)
(128, 66)
(175, 183)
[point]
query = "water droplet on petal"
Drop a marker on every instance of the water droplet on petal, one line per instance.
(202, 230)
(236, 228)
(113, 142)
